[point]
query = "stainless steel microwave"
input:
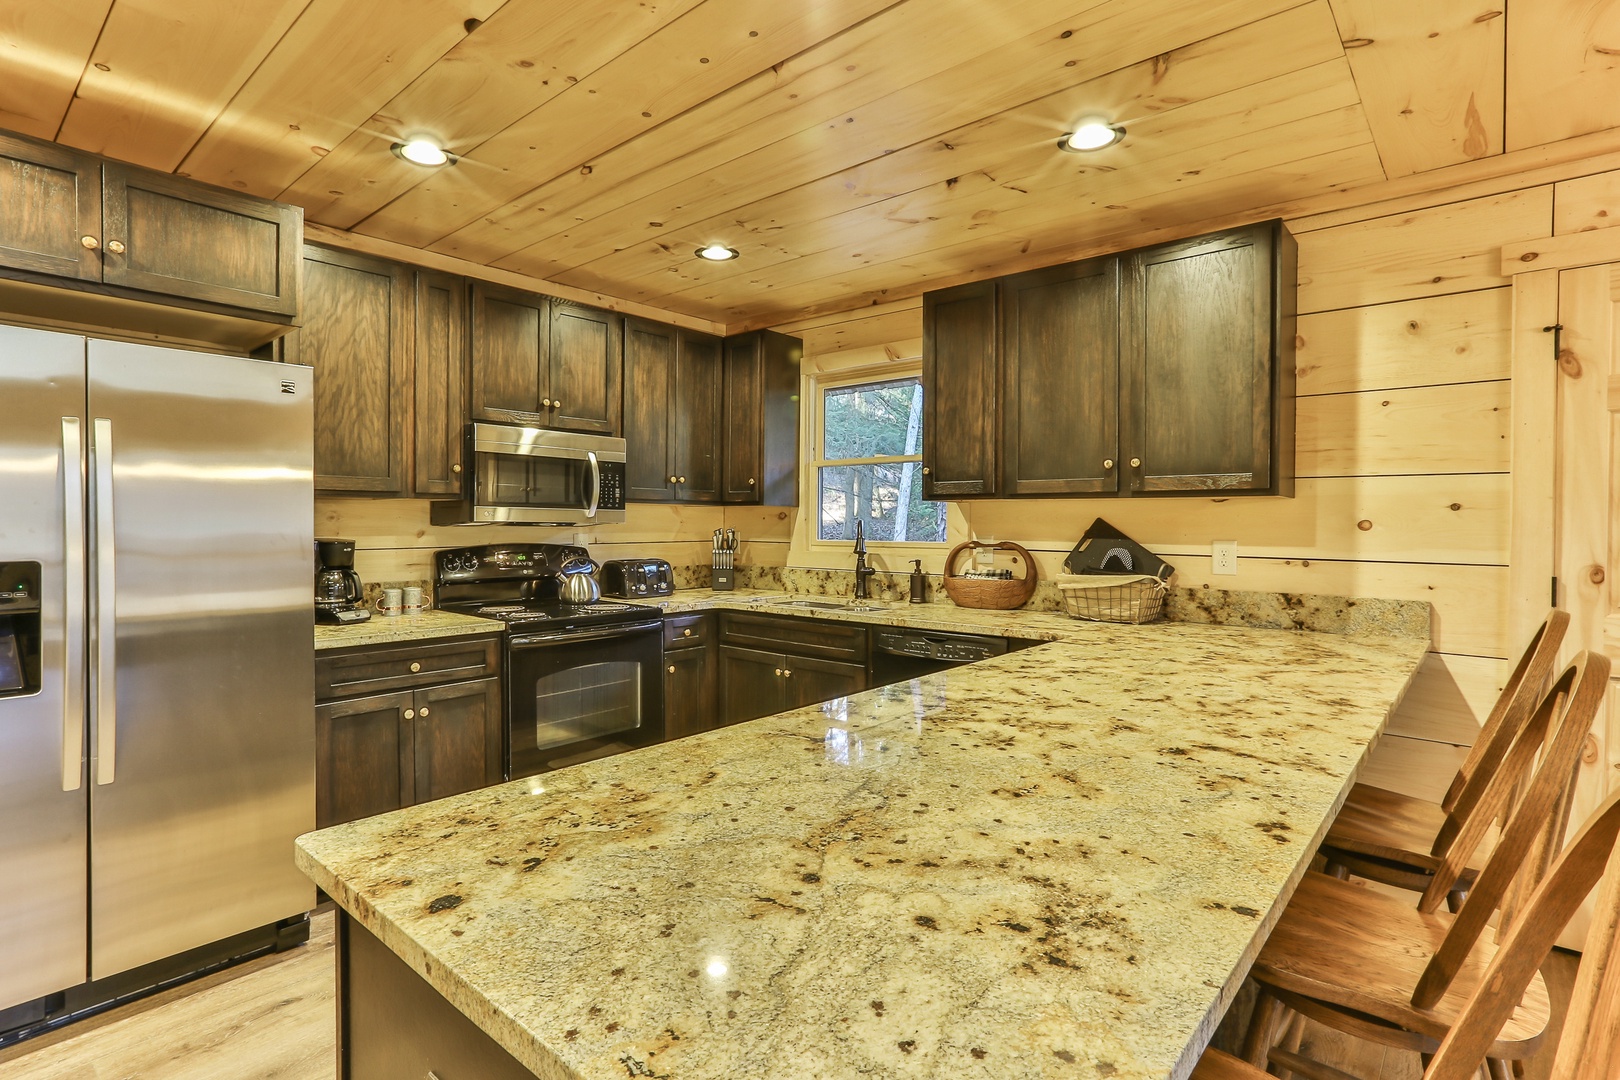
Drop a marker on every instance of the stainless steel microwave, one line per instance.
(533, 476)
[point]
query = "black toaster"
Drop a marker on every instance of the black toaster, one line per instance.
(630, 579)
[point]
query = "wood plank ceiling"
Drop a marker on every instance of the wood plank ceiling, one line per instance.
(854, 151)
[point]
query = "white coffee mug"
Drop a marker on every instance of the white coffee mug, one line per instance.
(413, 599)
(390, 602)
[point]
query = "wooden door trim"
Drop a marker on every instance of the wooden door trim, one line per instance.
(1568, 252)
(1533, 391)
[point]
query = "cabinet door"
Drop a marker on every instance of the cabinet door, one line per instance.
(441, 376)
(698, 374)
(363, 757)
(1198, 346)
(585, 366)
(511, 335)
(649, 365)
(1060, 375)
(959, 391)
(458, 738)
(810, 681)
(743, 459)
(52, 200)
(357, 337)
(751, 684)
(183, 239)
(689, 697)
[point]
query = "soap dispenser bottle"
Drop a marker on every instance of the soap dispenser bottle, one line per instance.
(919, 583)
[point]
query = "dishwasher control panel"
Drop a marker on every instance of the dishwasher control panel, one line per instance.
(951, 648)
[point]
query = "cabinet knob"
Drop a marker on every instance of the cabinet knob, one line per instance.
(672, 669)
(415, 667)
(752, 481)
(1108, 463)
(778, 673)
(680, 479)
(927, 470)
(1136, 463)
(672, 479)
(90, 242)
(556, 403)
(686, 632)
(787, 674)
(115, 246)
(423, 710)
(410, 714)
(456, 467)
(545, 403)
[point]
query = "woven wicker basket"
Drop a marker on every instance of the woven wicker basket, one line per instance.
(1002, 594)
(1117, 598)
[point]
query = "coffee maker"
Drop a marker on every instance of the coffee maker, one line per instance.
(339, 597)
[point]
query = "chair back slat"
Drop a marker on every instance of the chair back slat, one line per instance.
(1587, 1047)
(1512, 710)
(1580, 690)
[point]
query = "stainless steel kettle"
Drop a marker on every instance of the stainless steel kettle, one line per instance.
(578, 581)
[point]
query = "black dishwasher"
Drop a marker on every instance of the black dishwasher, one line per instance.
(899, 654)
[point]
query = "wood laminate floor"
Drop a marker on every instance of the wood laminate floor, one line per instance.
(274, 1019)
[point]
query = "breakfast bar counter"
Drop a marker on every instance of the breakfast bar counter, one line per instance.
(1059, 862)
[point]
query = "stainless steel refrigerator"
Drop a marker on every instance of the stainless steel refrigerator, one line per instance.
(156, 663)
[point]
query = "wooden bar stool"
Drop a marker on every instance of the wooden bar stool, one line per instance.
(1589, 1048)
(1399, 840)
(1371, 966)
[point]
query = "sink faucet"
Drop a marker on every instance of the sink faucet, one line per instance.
(862, 571)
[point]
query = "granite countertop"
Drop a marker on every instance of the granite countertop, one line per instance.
(383, 630)
(1059, 862)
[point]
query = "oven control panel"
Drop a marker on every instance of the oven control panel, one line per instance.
(502, 562)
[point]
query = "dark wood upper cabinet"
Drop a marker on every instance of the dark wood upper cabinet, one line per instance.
(761, 443)
(1168, 370)
(511, 335)
(358, 336)
(544, 362)
(1208, 360)
(82, 237)
(440, 383)
(696, 397)
(585, 366)
(166, 235)
(959, 391)
(1060, 400)
(672, 413)
(649, 366)
(52, 221)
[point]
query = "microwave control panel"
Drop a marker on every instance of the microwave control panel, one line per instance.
(612, 497)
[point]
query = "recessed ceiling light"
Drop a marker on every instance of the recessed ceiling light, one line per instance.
(717, 253)
(423, 151)
(1093, 134)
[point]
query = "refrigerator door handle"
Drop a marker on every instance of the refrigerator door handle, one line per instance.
(103, 655)
(72, 604)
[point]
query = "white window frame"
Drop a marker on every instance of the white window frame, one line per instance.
(819, 384)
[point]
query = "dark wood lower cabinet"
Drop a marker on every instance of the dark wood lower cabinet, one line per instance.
(399, 725)
(689, 692)
(392, 1024)
(756, 683)
(458, 738)
(363, 750)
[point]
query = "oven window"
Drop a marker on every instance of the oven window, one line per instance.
(587, 702)
(514, 480)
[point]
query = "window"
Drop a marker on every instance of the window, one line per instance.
(868, 464)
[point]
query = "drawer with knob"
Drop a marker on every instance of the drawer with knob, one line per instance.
(343, 673)
(688, 631)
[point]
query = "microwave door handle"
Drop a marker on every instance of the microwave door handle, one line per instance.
(73, 604)
(596, 484)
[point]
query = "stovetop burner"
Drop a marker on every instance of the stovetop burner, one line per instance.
(535, 611)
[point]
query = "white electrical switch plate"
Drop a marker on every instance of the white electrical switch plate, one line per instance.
(1225, 557)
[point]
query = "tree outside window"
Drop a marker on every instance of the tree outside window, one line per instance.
(870, 467)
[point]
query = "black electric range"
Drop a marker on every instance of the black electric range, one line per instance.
(582, 681)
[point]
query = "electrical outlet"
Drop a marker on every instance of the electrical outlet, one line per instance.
(1224, 553)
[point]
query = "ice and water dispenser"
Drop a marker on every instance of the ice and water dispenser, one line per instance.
(19, 628)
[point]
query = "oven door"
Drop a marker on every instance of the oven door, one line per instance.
(576, 695)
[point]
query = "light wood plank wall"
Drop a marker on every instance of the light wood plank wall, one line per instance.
(395, 541)
(1403, 444)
